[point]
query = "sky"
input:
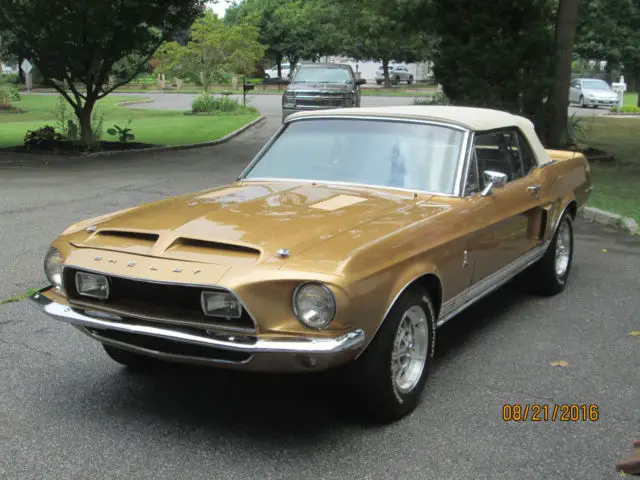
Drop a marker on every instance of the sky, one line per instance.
(220, 7)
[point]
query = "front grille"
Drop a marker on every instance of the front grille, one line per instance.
(161, 302)
(320, 101)
(172, 347)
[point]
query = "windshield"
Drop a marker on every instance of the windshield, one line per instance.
(595, 85)
(384, 153)
(322, 75)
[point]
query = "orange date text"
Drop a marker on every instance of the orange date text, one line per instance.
(557, 412)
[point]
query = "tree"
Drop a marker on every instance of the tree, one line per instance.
(292, 29)
(214, 49)
(558, 102)
(382, 30)
(608, 31)
(75, 43)
(498, 57)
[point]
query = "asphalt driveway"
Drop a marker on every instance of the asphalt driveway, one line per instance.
(69, 412)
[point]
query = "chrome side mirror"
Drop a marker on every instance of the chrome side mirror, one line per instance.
(493, 180)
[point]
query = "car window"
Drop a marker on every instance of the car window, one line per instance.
(370, 152)
(322, 75)
(473, 177)
(575, 84)
(595, 85)
(526, 154)
(498, 151)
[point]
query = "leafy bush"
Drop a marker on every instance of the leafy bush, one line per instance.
(12, 78)
(14, 94)
(43, 136)
(626, 109)
(124, 134)
(438, 98)
(576, 132)
(207, 103)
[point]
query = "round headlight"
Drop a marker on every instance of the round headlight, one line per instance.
(53, 267)
(314, 305)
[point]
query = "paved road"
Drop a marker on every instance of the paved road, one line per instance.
(271, 104)
(68, 412)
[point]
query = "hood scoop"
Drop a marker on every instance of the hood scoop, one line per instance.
(194, 249)
(130, 241)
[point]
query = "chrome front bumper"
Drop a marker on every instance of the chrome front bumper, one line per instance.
(269, 354)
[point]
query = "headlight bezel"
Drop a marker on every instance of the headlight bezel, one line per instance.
(207, 312)
(53, 269)
(95, 276)
(296, 308)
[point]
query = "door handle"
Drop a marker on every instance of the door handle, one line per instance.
(534, 189)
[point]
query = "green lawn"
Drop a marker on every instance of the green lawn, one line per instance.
(631, 98)
(157, 127)
(616, 185)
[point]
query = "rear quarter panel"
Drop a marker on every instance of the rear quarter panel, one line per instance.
(569, 178)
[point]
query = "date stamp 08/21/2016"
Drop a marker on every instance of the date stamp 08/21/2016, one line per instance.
(558, 412)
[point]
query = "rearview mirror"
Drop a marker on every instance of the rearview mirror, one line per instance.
(493, 180)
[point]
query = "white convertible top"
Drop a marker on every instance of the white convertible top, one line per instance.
(471, 118)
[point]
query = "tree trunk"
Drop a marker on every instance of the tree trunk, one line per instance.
(279, 65)
(84, 119)
(558, 102)
(385, 70)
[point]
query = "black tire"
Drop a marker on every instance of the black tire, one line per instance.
(410, 81)
(581, 102)
(546, 280)
(398, 80)
(371, 374)
(131, 360)
(379, 82)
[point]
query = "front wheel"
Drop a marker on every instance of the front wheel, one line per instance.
(551, 272)
(410, 80)
(390, 375)
(582, 105)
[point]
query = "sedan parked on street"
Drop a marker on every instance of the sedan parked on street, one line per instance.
(592, 92)
(397, 74)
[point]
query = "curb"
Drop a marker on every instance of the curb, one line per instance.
(167, 148)
(602, 217)
(134, 102)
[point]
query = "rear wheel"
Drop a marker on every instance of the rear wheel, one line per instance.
(390, 375)
(410, 81)
(551, 272)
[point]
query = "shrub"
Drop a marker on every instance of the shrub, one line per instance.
(12, 78)
(42, 137)
(207, 103)
(626, 109)
(124, 134)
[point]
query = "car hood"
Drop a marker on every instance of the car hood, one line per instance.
(240, 224)
(319, 87)
(599, 93)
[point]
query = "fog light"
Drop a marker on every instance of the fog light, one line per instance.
(220, 304)
(91, 285)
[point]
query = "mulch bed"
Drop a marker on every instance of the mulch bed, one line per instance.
(71, 148)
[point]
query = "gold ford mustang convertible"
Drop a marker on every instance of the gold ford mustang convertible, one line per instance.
(345, 243)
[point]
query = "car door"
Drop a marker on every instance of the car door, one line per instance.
(506, 221)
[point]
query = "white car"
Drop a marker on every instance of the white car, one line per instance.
(397, 74)
(273, 71)
(592, 92)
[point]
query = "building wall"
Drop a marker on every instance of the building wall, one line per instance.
(420, 71)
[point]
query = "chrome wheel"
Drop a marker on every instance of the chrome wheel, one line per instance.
(563, 248)
(410, 346)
